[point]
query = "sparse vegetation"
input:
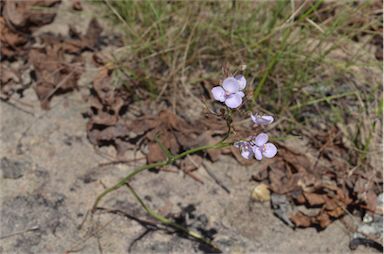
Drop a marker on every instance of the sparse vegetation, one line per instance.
(222, 119)
(321, 59)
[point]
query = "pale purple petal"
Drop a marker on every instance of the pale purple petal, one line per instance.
(269, 150)
(268, 119)
(246, 152)
(233, 101)
(231, 85)
(261, 139)
(241, 94)
(242, 81)
(262, 120)
(254, 118)
(218, 93)
(257, 152)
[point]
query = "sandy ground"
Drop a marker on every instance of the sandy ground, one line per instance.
(55, 180)
(50, 179)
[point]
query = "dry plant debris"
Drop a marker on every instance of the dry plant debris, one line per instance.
(110, 124)
(13, 80)
(107, 104)
(18, 20)
(324, 189)
(59, 73)
(55, 72)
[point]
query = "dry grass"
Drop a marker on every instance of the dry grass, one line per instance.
(311, 63)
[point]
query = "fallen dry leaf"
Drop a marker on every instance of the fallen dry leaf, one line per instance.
(18, 20)
(54, 75)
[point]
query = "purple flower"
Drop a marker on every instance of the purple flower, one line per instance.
(242, 81)
(257, 147)
(261, 120)
(261, 148)
(245, 149)
(230, 92)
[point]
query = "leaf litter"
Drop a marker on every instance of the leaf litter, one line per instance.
(314, 191)
(62, 65)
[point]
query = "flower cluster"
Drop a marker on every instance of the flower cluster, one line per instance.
(257, 146)
(231, 91)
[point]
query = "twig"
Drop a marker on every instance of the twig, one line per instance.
(17, 107)
(190, 174)
(141, 236)
(65, 79)
(20, 232)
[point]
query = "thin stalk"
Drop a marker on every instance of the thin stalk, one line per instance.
(163, 163)
(126, 179)
(171, 158)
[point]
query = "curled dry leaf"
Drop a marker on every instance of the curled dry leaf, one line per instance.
(14, 80)
(28, 14)
(54, 72)
(91, 40)
(8, 80)
(18, 20)
(107, 104)
(168, 129)
(54, 75)
(10, 40)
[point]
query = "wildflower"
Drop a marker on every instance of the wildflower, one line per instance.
(245, 149)
(261, 148)
(261, 120)
(230, 92)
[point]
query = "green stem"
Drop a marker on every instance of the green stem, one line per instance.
(169, 222)
(169, 161)
(201, 148)
(125, 180)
